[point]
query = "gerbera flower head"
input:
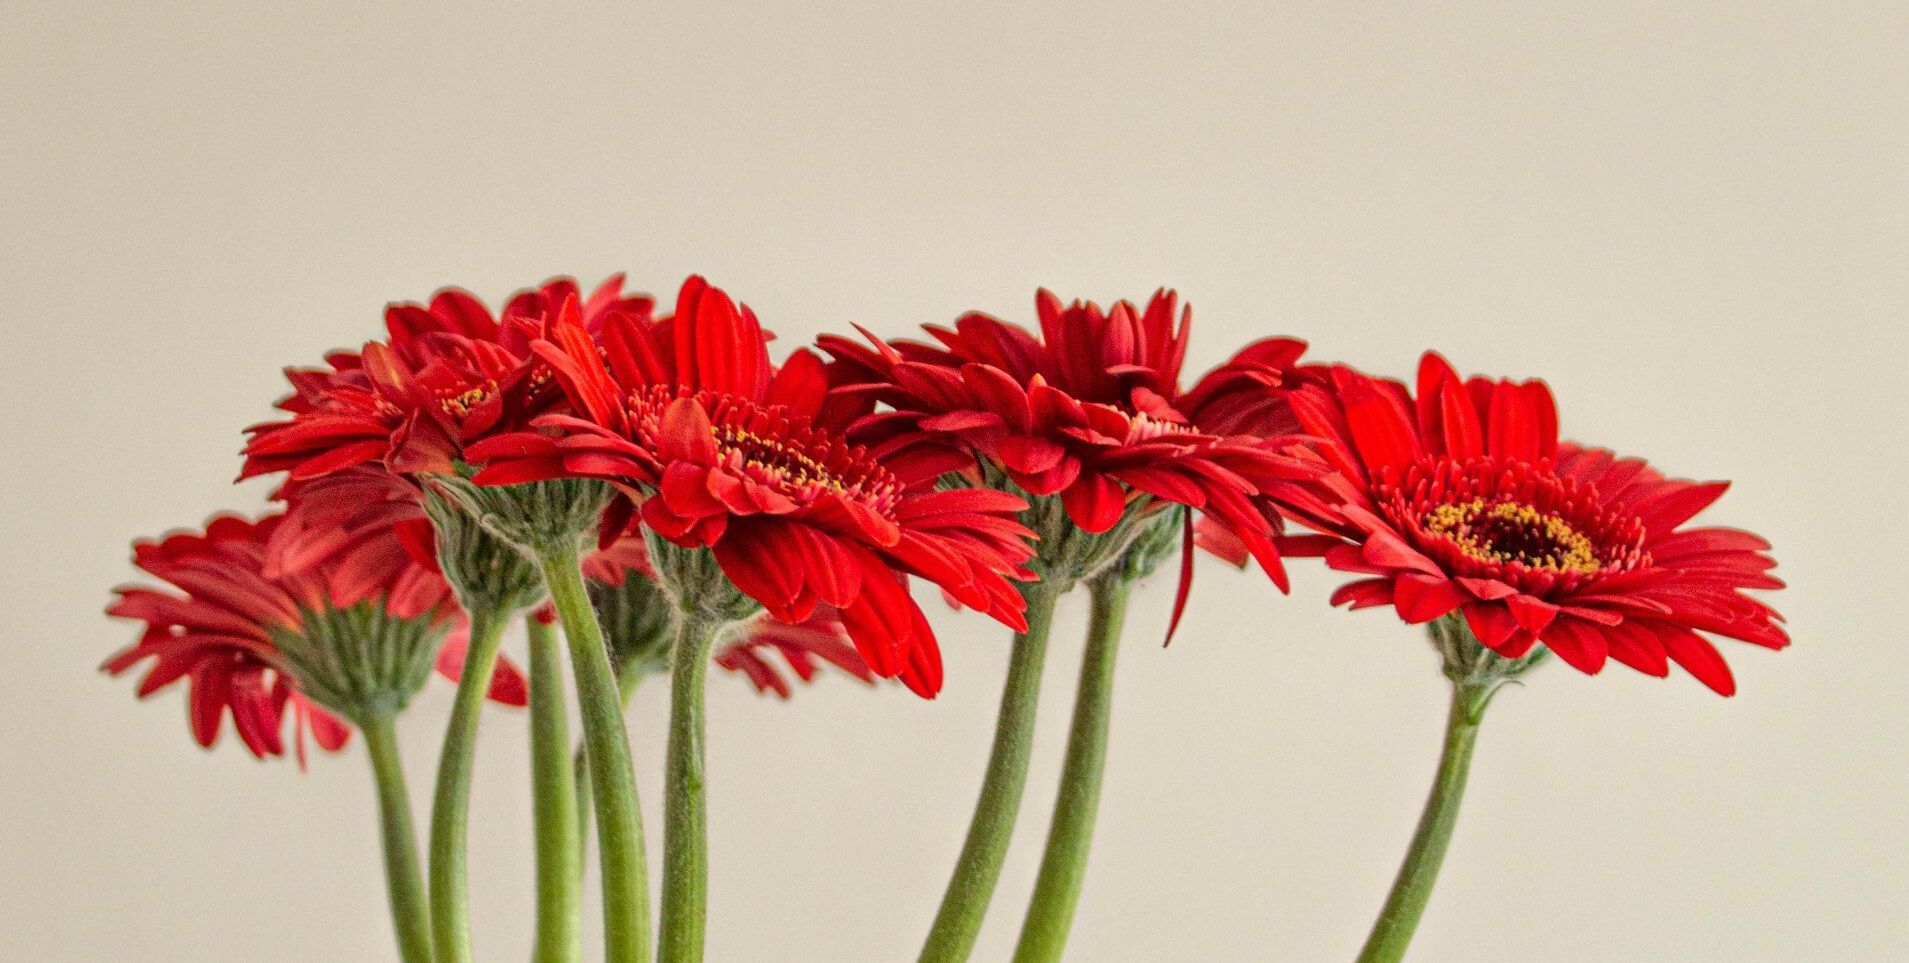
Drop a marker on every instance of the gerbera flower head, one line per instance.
(337, 642)
(1087, 417)
(382, 433)
(749, 490)
(1457, 499)
(447, 374)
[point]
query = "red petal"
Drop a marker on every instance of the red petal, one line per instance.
(1094, 502)
(1185, 587)
(1422, 598)
(1379, 428)
(1698, 657)
(1512, 424)
(686, 433)
(1533, 614)
(1490, 624)
(1579, 644)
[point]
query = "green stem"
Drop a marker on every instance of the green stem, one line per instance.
(403, 877)
(685, 821)
(626, 682)
(966, 901)
(626, 921)
(1057, 890)
(559, 840)
(1393, 931)
(450, 811)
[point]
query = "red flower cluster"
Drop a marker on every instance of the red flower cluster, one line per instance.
(814, 486)
(217, 628)
(726, 451)
(1090, 410)
(1459, 498)
(449, 374)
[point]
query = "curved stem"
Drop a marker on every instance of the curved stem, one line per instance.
(978, 869)
(626, 911)
(403, 877)
(559, 840)
(685, 825)
(1393, 931)
(450, 810)
(1057, 890)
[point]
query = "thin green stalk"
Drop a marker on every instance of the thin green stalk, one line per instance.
(685, 825)
(978, 869)
(403, 877)
(450, 811)
(626, 682)
(1057, 890)
(626, 920)
(559, 839)
(1393, 931)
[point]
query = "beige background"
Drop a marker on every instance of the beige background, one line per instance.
(1694, 222)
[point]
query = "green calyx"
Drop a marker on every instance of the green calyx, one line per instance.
(636, 623)
(1476, 670)
(536, 517)
(1068, 553)
(1159, 539)
(488, 573)
(361, 662)
(695, 585)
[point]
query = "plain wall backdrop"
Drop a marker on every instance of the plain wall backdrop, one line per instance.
(1692, 219)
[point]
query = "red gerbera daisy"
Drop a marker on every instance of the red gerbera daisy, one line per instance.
(727, 452)
(224, 628)
(1089, 410)
(1460, 498)
(449, 374)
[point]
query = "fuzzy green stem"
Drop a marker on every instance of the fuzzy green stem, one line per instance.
(1057, 890)
(559, 840)
(685, 819)
(450, 811)
(403, 877)
(626, 682)
(626, 920)
(965, 903)
(1392, 933)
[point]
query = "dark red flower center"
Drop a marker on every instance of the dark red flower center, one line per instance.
(1513, 531)
(1512, 521)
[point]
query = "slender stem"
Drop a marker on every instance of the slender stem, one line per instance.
(559, 840)
(1393, 931)
(1057, 889)
(403, 877)
(450, 811)
(966, 901)
(626, 682)
(685, 825)
(626, 911)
